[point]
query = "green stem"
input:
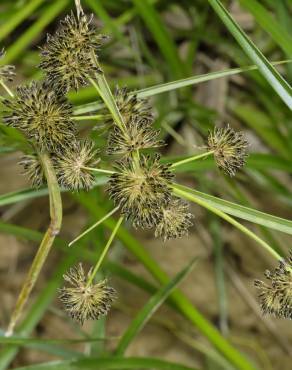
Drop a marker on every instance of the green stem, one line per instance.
(84, 118)
(94, 225)
(100, 170)
(105, 93)
(6, 88)
(105, 250)
(191, 159)
(46, 244)
(227, 218)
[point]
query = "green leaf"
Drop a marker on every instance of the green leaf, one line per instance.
(108, 363)
(278, 83)
(194, 80)
(49, 14)
(18, 17)
(245, 213)
(161, 36)
(150, 308)
(269, 24)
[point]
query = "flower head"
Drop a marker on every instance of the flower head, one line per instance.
(32, 168)
(175, 220)
(230, 149)
(138, 134)
(67, 58)
(130, 105)
(141, 188)
(85, 301)
(276, 297)
(73, 163)
(43, 114)
(7, 71)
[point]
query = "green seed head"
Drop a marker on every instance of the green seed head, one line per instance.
(43, 114)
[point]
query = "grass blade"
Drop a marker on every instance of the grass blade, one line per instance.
(194, 80)
(277, 82)
(279, 33)
(245, 213)
(18, 17)
(108, 363)
(150, 308)
(161, 36)
(49, 14)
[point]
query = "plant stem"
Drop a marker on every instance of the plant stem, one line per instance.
(105, 93)
(6, 88)
(100, 170)
(94, 225)
(105, 250)
(227, 218)
(46, 244)
(191, 159)
(84, 118)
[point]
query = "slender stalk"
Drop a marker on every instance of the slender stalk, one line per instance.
(100, 170)
(84, 118)
(46, 244)
(94, 225)
(227, 218)
(191, 159)
(104, 91)
(6, 88)
(105, 250)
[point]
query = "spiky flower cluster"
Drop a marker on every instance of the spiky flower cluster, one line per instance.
(230, 149)
(32, 168)
(68, 56)
(43, 114)
(7, 71)
(276, 297)
(141, 184)
(74, 168)
(84, 300)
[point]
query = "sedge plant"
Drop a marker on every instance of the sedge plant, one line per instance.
(142, 188)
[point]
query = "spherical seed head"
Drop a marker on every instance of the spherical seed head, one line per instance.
(130, 105)
(68, 56)
(276, 297)
(138, 134)
(70, 165)
(85, 301)
(7, 71)
(230, 149)
(32, 168)
(175, 220)
(43, 114)
(141, 188)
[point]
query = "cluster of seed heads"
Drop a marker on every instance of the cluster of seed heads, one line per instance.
(276, 297)
(140, 185)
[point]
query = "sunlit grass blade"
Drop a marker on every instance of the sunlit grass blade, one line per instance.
(108, 363)
(277, 82)
(150, 308)
(245, 213)
(194, 80)
(49, 14)
(18, 17)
